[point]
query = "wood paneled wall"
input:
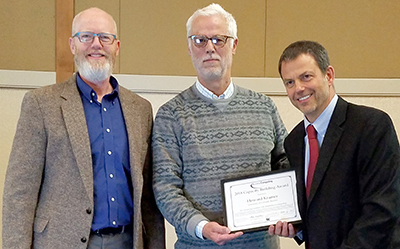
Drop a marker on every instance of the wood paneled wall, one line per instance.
(361, 36)
(27, 35)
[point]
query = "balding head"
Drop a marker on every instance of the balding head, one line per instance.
(96, 18)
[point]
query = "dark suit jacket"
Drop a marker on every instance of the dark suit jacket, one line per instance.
(48, 194)
(355, 193)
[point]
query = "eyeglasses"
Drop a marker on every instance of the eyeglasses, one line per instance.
(201, 41)
(88, 37)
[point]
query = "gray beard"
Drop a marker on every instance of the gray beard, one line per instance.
(93, 73)
(213, 74)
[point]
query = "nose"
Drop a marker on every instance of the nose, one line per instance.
(299, 86)
(210, 48)
(96, 42)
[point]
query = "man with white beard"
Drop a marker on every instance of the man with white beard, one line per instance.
(79, 174)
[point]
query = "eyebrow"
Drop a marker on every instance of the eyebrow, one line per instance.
(300, 75)
(306, 72)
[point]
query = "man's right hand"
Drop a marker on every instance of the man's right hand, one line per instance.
(219, 234)
(282, 229)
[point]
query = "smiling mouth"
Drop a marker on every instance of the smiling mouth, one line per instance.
(96, 55)
(304, 98)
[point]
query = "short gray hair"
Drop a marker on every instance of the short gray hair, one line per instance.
(211, 10)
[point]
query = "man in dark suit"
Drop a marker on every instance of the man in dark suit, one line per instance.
(79, 174)
(350, 198)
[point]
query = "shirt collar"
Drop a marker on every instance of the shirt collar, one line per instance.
(208, 94)
(90, 94)
(322, 122)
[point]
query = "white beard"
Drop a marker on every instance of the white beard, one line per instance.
(95, 73)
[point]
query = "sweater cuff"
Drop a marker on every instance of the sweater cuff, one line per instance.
(199, 229)
(193, 222)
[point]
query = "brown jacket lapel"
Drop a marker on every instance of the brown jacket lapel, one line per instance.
(75, 122)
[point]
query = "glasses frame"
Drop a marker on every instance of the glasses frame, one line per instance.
(94, 35)
(226, 37)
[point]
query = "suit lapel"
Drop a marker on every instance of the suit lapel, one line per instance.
(132, 120)
(295, 149)
(329, 145)
(75, 122)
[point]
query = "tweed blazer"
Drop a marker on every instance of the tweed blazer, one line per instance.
(48, 194)
(354, 200)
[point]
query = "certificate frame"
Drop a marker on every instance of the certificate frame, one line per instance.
(253, 203)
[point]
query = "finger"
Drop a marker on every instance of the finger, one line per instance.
(285, 232)
(271, 230)
(240, 233)
(223, 239)
(278, 228)
(292, 232)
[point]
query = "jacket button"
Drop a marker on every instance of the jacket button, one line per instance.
(83, 239)
(89, 211)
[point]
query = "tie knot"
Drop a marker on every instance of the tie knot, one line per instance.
(311, 132)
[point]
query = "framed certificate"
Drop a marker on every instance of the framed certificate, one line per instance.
(256, 202)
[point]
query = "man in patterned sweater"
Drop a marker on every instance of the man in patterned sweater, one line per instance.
(213, 130)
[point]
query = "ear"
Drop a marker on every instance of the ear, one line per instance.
(235, 43)
(330, 75)
(118, 46)
(72, 45)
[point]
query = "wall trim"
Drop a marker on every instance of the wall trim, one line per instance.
(17, 79)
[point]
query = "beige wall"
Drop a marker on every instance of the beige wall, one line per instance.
(361, 36)
(27, 35)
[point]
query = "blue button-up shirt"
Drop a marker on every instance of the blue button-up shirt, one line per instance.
(113, 203)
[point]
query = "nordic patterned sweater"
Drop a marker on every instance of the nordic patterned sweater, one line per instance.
(197, 142)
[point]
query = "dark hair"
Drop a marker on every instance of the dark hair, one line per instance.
(312, 48)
